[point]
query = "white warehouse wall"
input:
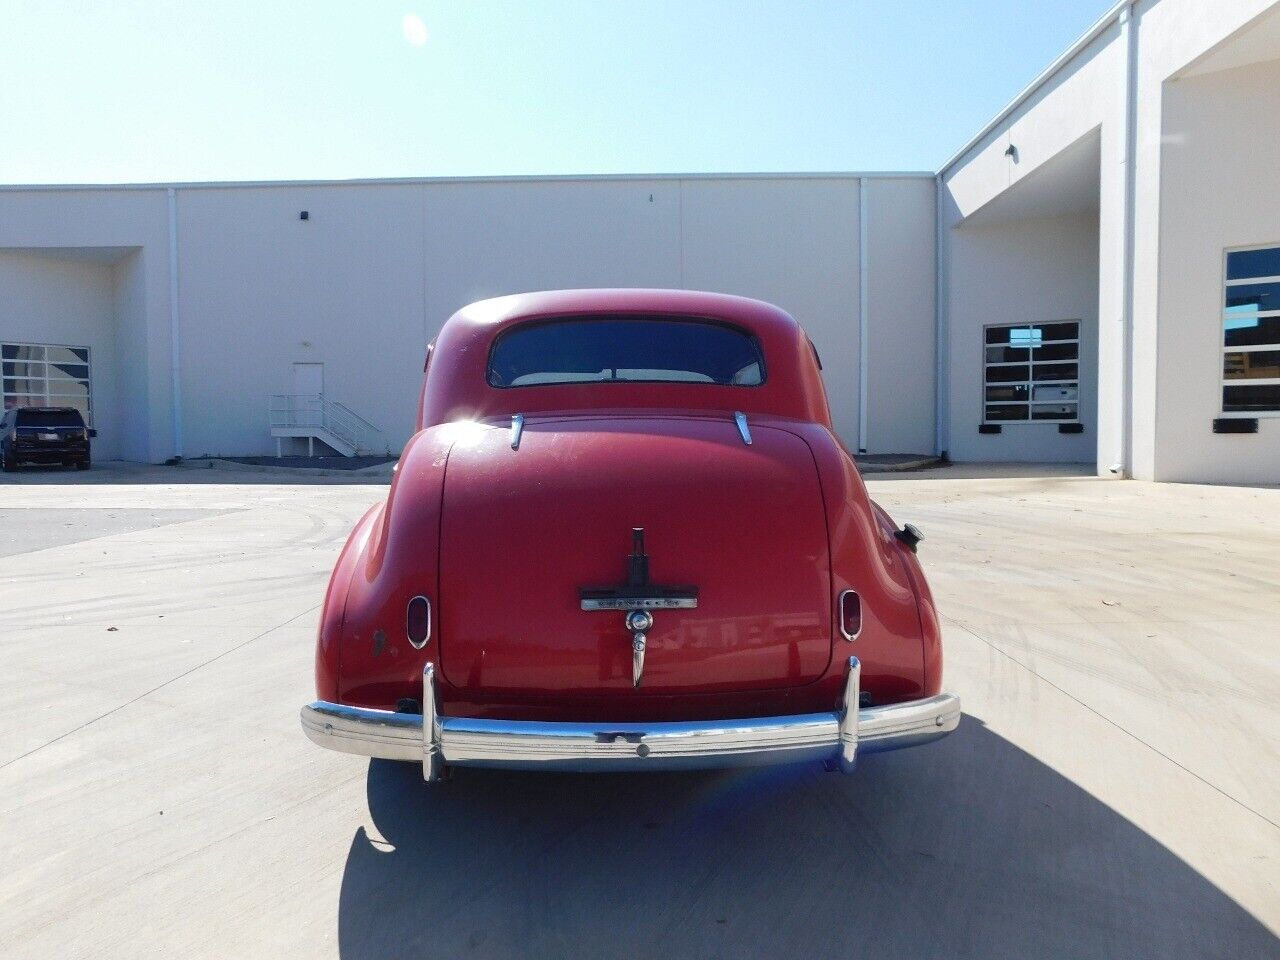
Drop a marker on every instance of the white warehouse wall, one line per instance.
(366, 282)
(57, 300)
(1170, 35)
(126, 227)
(261, 289)
(1115, 83)
(1022, 271)
(1212, 123)
(901, 316)
(793, 243)
(133, 416)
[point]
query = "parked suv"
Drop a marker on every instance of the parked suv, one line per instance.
(44, 435)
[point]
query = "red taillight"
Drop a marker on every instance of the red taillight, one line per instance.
(417, 621)
(850, 610)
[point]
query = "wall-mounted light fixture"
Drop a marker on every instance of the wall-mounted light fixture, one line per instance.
(1011, 152)
(304, 215)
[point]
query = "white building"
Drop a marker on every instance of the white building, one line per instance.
(1095, 277)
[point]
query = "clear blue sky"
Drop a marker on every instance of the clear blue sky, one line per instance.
(126, 91)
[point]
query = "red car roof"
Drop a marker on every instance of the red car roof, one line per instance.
(456, 386)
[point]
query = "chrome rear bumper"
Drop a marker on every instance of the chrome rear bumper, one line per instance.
(436, 741)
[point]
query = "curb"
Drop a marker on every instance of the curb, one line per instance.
(377, 472)
(898, 466)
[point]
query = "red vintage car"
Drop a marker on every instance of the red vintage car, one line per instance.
(625, 537)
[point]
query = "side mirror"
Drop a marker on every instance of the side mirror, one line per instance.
(92, 433)
(909, 536)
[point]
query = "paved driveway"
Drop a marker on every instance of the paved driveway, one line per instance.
(1113, 791)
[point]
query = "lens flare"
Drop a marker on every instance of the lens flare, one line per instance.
(415, 31)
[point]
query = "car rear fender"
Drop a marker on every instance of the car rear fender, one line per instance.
(866, 557)
(397, 561)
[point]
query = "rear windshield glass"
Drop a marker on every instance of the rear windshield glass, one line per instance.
(49, 418)
(629, 350)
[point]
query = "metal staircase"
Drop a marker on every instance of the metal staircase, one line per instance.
(312, 417)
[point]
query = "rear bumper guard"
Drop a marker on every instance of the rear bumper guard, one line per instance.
(437, 741)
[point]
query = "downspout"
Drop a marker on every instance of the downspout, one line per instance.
(941, 404)
(863, 321)
(1123, 465)
(175, 354)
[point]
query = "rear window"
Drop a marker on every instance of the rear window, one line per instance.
(626, 350)
(49, 418)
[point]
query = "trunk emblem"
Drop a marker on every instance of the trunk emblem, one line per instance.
(638, 597)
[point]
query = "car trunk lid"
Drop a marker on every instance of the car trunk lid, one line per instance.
(526, 531)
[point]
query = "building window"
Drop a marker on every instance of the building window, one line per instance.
(46, 375)
(1032, 373)
(1251, 332)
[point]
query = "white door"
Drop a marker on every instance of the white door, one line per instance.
(308, 379)
(308, 388)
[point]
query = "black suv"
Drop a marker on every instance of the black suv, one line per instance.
(44, 435)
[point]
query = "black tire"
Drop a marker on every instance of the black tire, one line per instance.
(9, 464)
(82, 464)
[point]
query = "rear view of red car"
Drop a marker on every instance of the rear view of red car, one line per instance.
(625, 537)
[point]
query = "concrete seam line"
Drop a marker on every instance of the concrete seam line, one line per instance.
(1156, 750)
(160, 686)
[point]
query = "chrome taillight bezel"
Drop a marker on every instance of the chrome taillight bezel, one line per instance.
(840, 618)
(408, 615)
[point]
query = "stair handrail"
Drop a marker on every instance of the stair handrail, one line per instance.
(316, 411)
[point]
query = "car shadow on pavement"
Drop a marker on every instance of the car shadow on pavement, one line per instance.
(965, 848)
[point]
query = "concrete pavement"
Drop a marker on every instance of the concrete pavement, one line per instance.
(1114, 790)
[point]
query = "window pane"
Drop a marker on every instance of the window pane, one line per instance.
(1058, 351)
(1253, 263)
(22, 351)
(1007, 355)
(1010, 392)
(73, 371)
(16, 368)
(80, 404)
(23, 385)
(1056, 371)
(67, 390)
(1258, 365)
(1060, 331)
(67, 354)
(1246, 398)
(1009, 412)
(577, 350)
(1056, 392)
(1013, 336)
(50, 418)
(1008, 374)
(1055, 411)
(1244, 331)
(1258, 297)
